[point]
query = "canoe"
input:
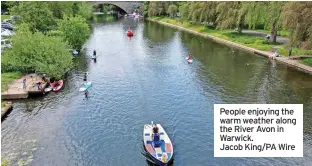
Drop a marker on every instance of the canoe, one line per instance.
(159, 151)
(189, 60)
(58, 86)
(85, 86)
(129, 33)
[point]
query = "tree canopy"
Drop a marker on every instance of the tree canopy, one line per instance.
(75, 30)
(272, 16)
(37, 52)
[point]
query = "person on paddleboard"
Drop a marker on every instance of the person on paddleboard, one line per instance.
(86, 93)
(85, 76)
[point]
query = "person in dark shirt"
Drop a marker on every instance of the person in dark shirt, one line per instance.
(85, 76)
(155, 129)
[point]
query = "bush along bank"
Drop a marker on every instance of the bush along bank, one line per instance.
(42, 40)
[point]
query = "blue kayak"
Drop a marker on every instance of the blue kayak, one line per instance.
(85, 86)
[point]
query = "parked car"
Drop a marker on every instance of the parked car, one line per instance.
(6, 32)
(7, 20)
(7, 26)
(4, 13)
(5, 44)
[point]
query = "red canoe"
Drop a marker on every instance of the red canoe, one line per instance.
(129, 33)
(57, 85)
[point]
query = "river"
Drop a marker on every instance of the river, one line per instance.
(142, 79)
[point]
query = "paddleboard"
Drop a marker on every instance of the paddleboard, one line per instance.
(191, 60)
(85, 86)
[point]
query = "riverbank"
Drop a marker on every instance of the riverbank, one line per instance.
(262, 50)
(6, 107)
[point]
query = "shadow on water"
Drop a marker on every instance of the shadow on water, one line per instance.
(157, 33)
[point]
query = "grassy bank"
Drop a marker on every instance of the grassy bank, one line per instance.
(3, 104)
(307, 61)
(3, 17)
(295, 51)
(7, 78)
(256, 42)
(283, 33)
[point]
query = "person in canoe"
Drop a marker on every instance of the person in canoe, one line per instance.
(189, 57)
(155, 129)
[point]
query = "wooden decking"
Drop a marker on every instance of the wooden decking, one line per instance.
(16, 91)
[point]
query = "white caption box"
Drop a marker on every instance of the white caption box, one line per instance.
(258, 140)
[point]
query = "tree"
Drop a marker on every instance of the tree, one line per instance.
(37, 52)
(75, 30)
(297, 18)
(274, 12)
(60, 9)
(184, 10)
(230, 15)
(203, 12)
(172, 10)
(152, 10)
(256, 14)
(36, 14)
(84, 10)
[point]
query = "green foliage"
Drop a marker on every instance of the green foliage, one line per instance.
(84, 10)
(152, 11)
(297, 18)
(172, 10)
(229, 15)
(54, 33)
(5, 162)
(37, 52)
(9, 77)
(61, 8)
(75, 30)
(308, 61)
(184, 10)
(240, 38)
(36, 14)
(4, 17)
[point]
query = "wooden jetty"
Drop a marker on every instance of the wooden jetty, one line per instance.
(6, 109)
(16, 91)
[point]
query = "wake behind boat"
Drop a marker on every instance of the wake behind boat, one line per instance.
(158, 147)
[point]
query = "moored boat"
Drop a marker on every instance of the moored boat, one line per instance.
(158, 147)
(57, 85)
